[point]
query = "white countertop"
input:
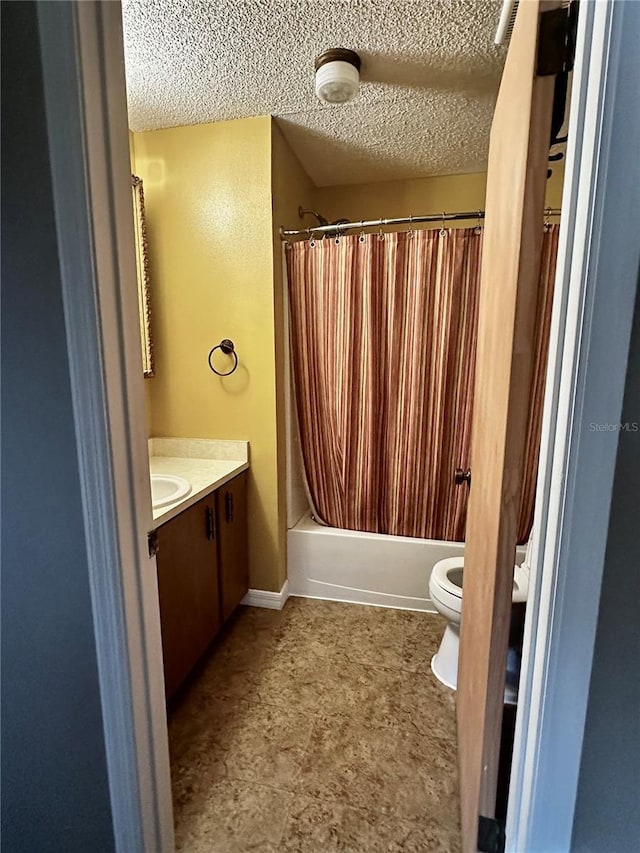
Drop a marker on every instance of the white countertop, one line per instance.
(205, 464)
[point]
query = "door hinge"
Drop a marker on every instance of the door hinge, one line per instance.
(153, 543)
(557, 40)
(491, 838)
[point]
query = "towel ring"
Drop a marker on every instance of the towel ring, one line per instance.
(228, 348)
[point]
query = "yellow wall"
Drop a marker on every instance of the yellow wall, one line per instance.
(208, 199)
(291, 187)
(421, 195)
(403, 198)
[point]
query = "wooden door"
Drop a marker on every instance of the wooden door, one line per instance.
(232, 544)
(516, 183)
(188, 590)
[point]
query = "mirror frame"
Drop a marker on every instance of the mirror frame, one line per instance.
(144, 283)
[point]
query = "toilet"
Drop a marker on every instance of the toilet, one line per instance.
(445, 590)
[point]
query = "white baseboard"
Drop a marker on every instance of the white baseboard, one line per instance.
(265, 598)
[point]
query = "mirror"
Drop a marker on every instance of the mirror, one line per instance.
(142, 266)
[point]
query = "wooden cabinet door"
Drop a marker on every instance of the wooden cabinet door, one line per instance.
(188, 589)
(516, 181)
(232, 544)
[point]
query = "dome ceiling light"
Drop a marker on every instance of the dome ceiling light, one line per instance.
(337, 75)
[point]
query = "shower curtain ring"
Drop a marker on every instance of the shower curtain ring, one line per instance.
(361, 237)
(410, 232)
(478, 228)
(443, 230)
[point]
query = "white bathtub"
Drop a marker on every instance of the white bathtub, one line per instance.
(367, 568)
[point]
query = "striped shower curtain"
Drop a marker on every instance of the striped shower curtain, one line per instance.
(383, 336)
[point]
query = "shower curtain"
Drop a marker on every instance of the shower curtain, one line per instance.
(383, 336)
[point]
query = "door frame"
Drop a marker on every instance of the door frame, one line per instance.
(86, 111)
(596, 281)
(87, 126)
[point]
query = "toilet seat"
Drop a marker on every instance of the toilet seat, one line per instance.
(443, 579)
(440, 575)
(446, 595)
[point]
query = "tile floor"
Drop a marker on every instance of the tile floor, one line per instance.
(316, 729)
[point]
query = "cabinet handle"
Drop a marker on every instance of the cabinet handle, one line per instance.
(210, 523)
(228, 507)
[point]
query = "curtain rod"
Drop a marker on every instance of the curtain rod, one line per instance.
(398, 220)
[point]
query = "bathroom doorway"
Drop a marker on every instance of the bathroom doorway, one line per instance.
(364, 492)
(147, 499)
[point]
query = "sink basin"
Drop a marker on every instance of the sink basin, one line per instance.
(166, 489)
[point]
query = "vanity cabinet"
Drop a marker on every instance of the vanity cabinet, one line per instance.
(188, 589)
(202, 576)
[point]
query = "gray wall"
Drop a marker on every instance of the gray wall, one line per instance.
(607, 814)
(54, 776)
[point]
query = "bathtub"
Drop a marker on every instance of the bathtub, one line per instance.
(365, 568)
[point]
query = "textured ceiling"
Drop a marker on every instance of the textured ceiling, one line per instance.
(430, 74)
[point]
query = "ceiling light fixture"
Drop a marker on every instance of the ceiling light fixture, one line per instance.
(337, 75)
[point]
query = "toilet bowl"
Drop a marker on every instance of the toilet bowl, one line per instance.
(445, 590)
